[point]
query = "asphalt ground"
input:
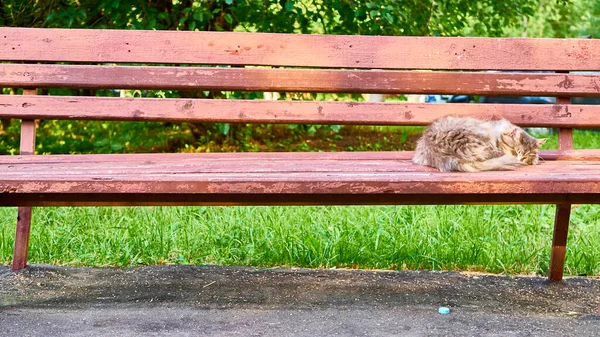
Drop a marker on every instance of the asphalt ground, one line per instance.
(235, 301)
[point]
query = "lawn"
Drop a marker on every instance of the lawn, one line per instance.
(499, 239)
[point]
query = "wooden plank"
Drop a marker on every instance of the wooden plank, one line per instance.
(202, 172)
(590, 155)
(145, 199)
(559, 242)
(298, 80)
(381, 52)
(154, 158)
(201, 166)
(151, 158)
(301, 112)
(331, 185)
(524, 181)
(114, 169)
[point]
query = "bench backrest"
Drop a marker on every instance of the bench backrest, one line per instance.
(118, 59)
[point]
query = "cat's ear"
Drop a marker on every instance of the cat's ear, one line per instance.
(541, 142)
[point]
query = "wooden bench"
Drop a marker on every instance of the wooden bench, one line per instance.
(44, 58)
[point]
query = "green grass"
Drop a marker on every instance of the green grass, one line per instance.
(499, 239)
(582, 139)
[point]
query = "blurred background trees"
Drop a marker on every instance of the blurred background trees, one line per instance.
(537, 18)
(443, 17)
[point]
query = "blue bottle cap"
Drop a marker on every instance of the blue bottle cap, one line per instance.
(444, 310)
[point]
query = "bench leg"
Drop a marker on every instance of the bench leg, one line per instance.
(22, 238)
(559, 242)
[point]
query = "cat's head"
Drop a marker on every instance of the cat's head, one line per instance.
(522, 145)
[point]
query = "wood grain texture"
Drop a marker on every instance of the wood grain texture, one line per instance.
(279, 112)
(559, 242)
(563, 211)
(27, 148)
(182, 158)
(230, 199)
(21, 246)
(248, 165)
(565, 135)
(298, 183)
(298, 80)
(215, 166)
(391, 52)
(565, 139)
(196, 175)
(27, 143)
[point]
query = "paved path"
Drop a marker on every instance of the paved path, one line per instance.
(217, 301)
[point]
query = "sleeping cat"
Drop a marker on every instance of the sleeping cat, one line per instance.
(469, 144)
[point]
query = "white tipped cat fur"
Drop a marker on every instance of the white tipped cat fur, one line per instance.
(504, 163)
(471, 145)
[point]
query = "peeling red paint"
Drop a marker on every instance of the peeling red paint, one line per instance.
(566, 176)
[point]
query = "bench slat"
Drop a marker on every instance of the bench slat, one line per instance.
(230, 199)
(566, 178)
(270, 161)
(301, 112)
(342, 166)
(384, 52)
(298, 80)
(118, 170)
(585, 155)
(182, 158)
(103, 185)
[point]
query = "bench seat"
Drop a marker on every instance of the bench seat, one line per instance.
(284, 178)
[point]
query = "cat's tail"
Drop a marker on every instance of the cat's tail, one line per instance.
(504, 163)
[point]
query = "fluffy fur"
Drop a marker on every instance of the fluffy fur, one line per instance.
(472, 145)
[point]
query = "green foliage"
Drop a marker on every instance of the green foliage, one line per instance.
(561, 19)
(64, 137)
(367, 17)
